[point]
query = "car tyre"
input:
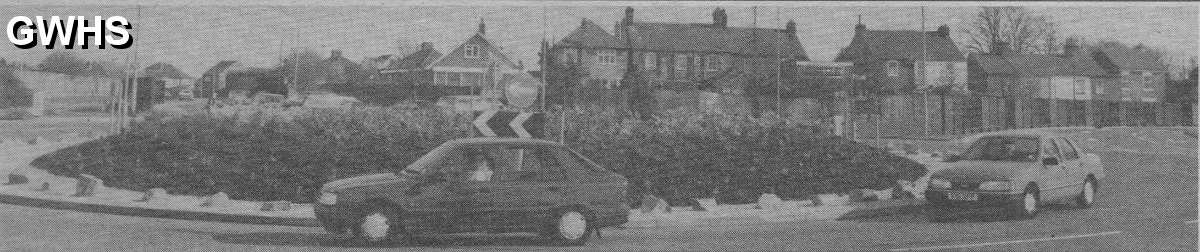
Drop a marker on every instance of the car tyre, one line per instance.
(1087, 196)
(377, 224)
(569, 227)
(1030, 203)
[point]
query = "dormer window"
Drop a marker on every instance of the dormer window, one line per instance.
(893, 68)
(471, 51)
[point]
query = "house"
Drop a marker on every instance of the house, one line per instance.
(915, 98)
(1038, 90)
(472, 67)
(337, 69)
(1140, 81)
(710, 57)
(212, 84)
(412, 69)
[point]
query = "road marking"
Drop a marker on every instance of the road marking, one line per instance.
(1191, 222)
(1003, 242)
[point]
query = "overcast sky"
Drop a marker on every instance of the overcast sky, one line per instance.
(194, 37)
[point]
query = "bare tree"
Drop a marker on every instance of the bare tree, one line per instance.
(302, 68)
(1022, 30)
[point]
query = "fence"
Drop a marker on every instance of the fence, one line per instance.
(919, 115)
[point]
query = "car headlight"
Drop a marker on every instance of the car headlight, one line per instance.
(327, 198)
(995, 186)
(939, 183)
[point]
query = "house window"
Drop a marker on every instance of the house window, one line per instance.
(611, 84)
(439, 78)
(454, 79)
(681, 63)
(701, 63)
(606, 57)
(1126, 95)
(893, 68)
(1099, 89)
(471, 51)
(1081, 87)
(650, 61)
(714, 63)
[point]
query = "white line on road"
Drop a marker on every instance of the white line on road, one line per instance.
(1191, 222)
(1003, 242)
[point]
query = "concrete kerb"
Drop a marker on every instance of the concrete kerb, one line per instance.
(156, 213)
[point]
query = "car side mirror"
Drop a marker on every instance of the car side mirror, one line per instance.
(951, 158)
(1050, 161)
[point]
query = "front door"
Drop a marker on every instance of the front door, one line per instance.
(1053, 181)
(436, 201)
(525, 182)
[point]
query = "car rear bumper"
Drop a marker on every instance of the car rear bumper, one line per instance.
(986, 199)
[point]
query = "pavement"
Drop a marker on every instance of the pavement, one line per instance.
(1148, 202)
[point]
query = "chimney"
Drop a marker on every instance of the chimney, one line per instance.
(628, 16)
(426, 45)
(999, 47)
(520, 65)
(482, 27)
(1070, 48)
(336, 53)
(943, 31)
(790, 28)
(719, 18)
(859, 27)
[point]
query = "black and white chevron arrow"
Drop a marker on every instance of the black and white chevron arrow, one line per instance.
(494, 123)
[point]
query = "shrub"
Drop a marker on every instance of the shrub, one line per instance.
(262, 154)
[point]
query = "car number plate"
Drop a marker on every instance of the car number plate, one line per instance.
(962, 196)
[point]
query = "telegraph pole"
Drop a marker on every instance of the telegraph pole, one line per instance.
(778, 73)
(924, 82)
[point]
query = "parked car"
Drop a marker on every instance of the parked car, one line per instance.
(1018, 171)
(493, 185)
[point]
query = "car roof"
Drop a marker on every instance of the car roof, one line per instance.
(501, 140)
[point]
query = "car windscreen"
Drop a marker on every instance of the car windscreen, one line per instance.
(428, 160)
(1003, 148)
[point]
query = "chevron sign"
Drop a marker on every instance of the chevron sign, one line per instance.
(494, 123)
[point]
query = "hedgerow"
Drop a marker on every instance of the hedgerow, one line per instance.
(263, 154)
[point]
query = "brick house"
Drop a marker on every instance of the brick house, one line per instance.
(890, 61)
(1038, 90)
(1140, 82)
(703, 62)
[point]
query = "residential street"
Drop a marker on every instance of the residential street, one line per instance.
(1147, 203)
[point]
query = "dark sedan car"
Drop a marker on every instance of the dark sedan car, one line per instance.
(1018, 171)
(491, 185)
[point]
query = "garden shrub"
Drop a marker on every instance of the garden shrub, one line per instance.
(275, 154)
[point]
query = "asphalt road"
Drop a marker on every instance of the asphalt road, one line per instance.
(1147, 203)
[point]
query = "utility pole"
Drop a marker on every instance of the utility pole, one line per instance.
(136, 69)
(778, 72)
(924, 82)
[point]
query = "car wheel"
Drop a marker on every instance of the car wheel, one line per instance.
(1030, 203)
(1088, 195)
(378, 224)
(569, 227)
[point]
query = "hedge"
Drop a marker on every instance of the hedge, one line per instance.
(259, 154)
